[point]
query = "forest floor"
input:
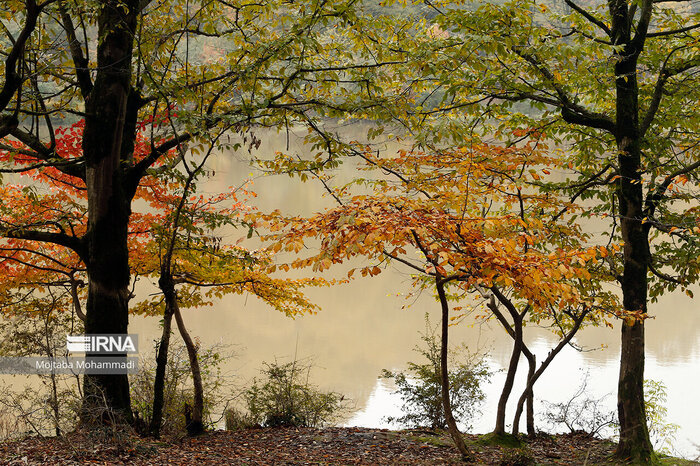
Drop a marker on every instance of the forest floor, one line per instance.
(308, 446)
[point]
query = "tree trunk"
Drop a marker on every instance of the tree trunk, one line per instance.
(517, 336)
(634, 435)
(444, 375)
(500, 428)
(161, 366)
(53, 398)
(530, 416)
(533, 376)
(109, 203)
(528, 395)
(195, 423)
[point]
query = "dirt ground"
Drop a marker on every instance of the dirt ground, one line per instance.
(303, 446)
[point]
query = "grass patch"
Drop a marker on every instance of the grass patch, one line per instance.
(436, 438)
(501, 440)
(670, 460)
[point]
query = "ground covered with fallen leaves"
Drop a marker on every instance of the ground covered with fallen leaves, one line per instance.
(301, 446)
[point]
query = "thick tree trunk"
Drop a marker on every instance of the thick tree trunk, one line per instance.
(444, 375)
(109, 203)
(634, 435)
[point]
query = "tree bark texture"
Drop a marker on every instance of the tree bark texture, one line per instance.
(161, 366)
(500, 428)
(109, 199)
(527, 396)
(634, 435)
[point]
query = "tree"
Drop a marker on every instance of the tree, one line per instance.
(613, 83)
(460, 220)
(117, 62)
(174, 242)
(180, 248)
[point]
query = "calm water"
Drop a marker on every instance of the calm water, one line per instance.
(365, 327)
(369, 325)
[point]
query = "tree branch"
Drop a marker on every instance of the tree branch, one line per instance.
(642, 27)
(590, 17)
(12, 78)
(664, 76)
(673, 31)
(76, 298)
(570, 111)
(73, 168)
(82, 71)
(660, 191)
(136, 172)
(71, 242)
(661, 275)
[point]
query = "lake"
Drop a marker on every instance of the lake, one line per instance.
(369, 325)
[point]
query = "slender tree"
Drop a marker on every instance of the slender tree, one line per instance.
(615, 84)
(453, 217)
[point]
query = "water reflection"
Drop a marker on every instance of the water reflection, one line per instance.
(364, 328)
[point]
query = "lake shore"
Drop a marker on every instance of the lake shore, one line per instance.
(306, 446)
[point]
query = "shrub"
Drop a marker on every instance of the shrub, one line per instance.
(49, 407)
(585, 414)
(421, 391)
(285, 397)
(236, 419)
(178, 387)
(582, 413)
(662, 433)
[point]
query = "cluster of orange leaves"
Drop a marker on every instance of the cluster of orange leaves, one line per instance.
(472, 215)
(47, 200)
